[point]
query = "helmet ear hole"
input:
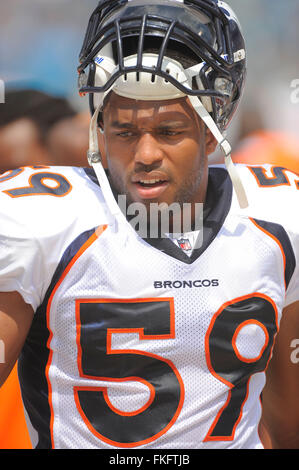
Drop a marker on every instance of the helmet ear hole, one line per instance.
(165, 80)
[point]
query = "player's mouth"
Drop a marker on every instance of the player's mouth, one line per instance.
(150, 186)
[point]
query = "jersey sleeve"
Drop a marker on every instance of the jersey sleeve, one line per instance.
(273, 195)
(21, 263)
(28, 225)
(42, 210)
(292, 292)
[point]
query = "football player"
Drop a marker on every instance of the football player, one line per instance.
(133, 340)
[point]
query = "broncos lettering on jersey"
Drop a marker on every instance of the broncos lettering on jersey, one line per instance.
(135, 344)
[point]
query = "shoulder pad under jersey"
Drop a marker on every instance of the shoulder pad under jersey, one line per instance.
(42, 210)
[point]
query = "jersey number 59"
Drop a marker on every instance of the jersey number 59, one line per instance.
(154, 319)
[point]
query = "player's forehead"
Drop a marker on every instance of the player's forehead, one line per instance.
(121, 109)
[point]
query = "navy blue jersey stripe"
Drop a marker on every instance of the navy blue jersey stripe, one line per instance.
(35, 355)
(279, 232)
(216, 208)
(91, 175)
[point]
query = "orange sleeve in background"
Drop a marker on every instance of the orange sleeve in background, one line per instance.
(276, 148)
(13, 429)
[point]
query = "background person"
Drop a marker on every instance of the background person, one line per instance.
(39, 129)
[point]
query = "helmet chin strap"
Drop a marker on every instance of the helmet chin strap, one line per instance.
(225, 147)
(95, 160)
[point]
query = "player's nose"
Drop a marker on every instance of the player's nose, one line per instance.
(148, 150)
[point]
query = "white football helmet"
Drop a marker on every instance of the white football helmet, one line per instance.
(117, 55)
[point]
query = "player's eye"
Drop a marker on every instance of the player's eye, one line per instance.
(125, 134)
(170, 133)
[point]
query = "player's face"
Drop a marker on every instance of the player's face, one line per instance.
(156, 151)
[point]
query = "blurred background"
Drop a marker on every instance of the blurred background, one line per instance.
(39, 47)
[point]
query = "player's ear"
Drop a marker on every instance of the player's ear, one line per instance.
(211, 142)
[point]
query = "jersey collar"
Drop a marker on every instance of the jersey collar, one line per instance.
(216, 207)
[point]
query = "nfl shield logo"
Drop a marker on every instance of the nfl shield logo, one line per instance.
(185, 244)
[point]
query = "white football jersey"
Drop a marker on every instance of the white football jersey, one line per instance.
(134, 343)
